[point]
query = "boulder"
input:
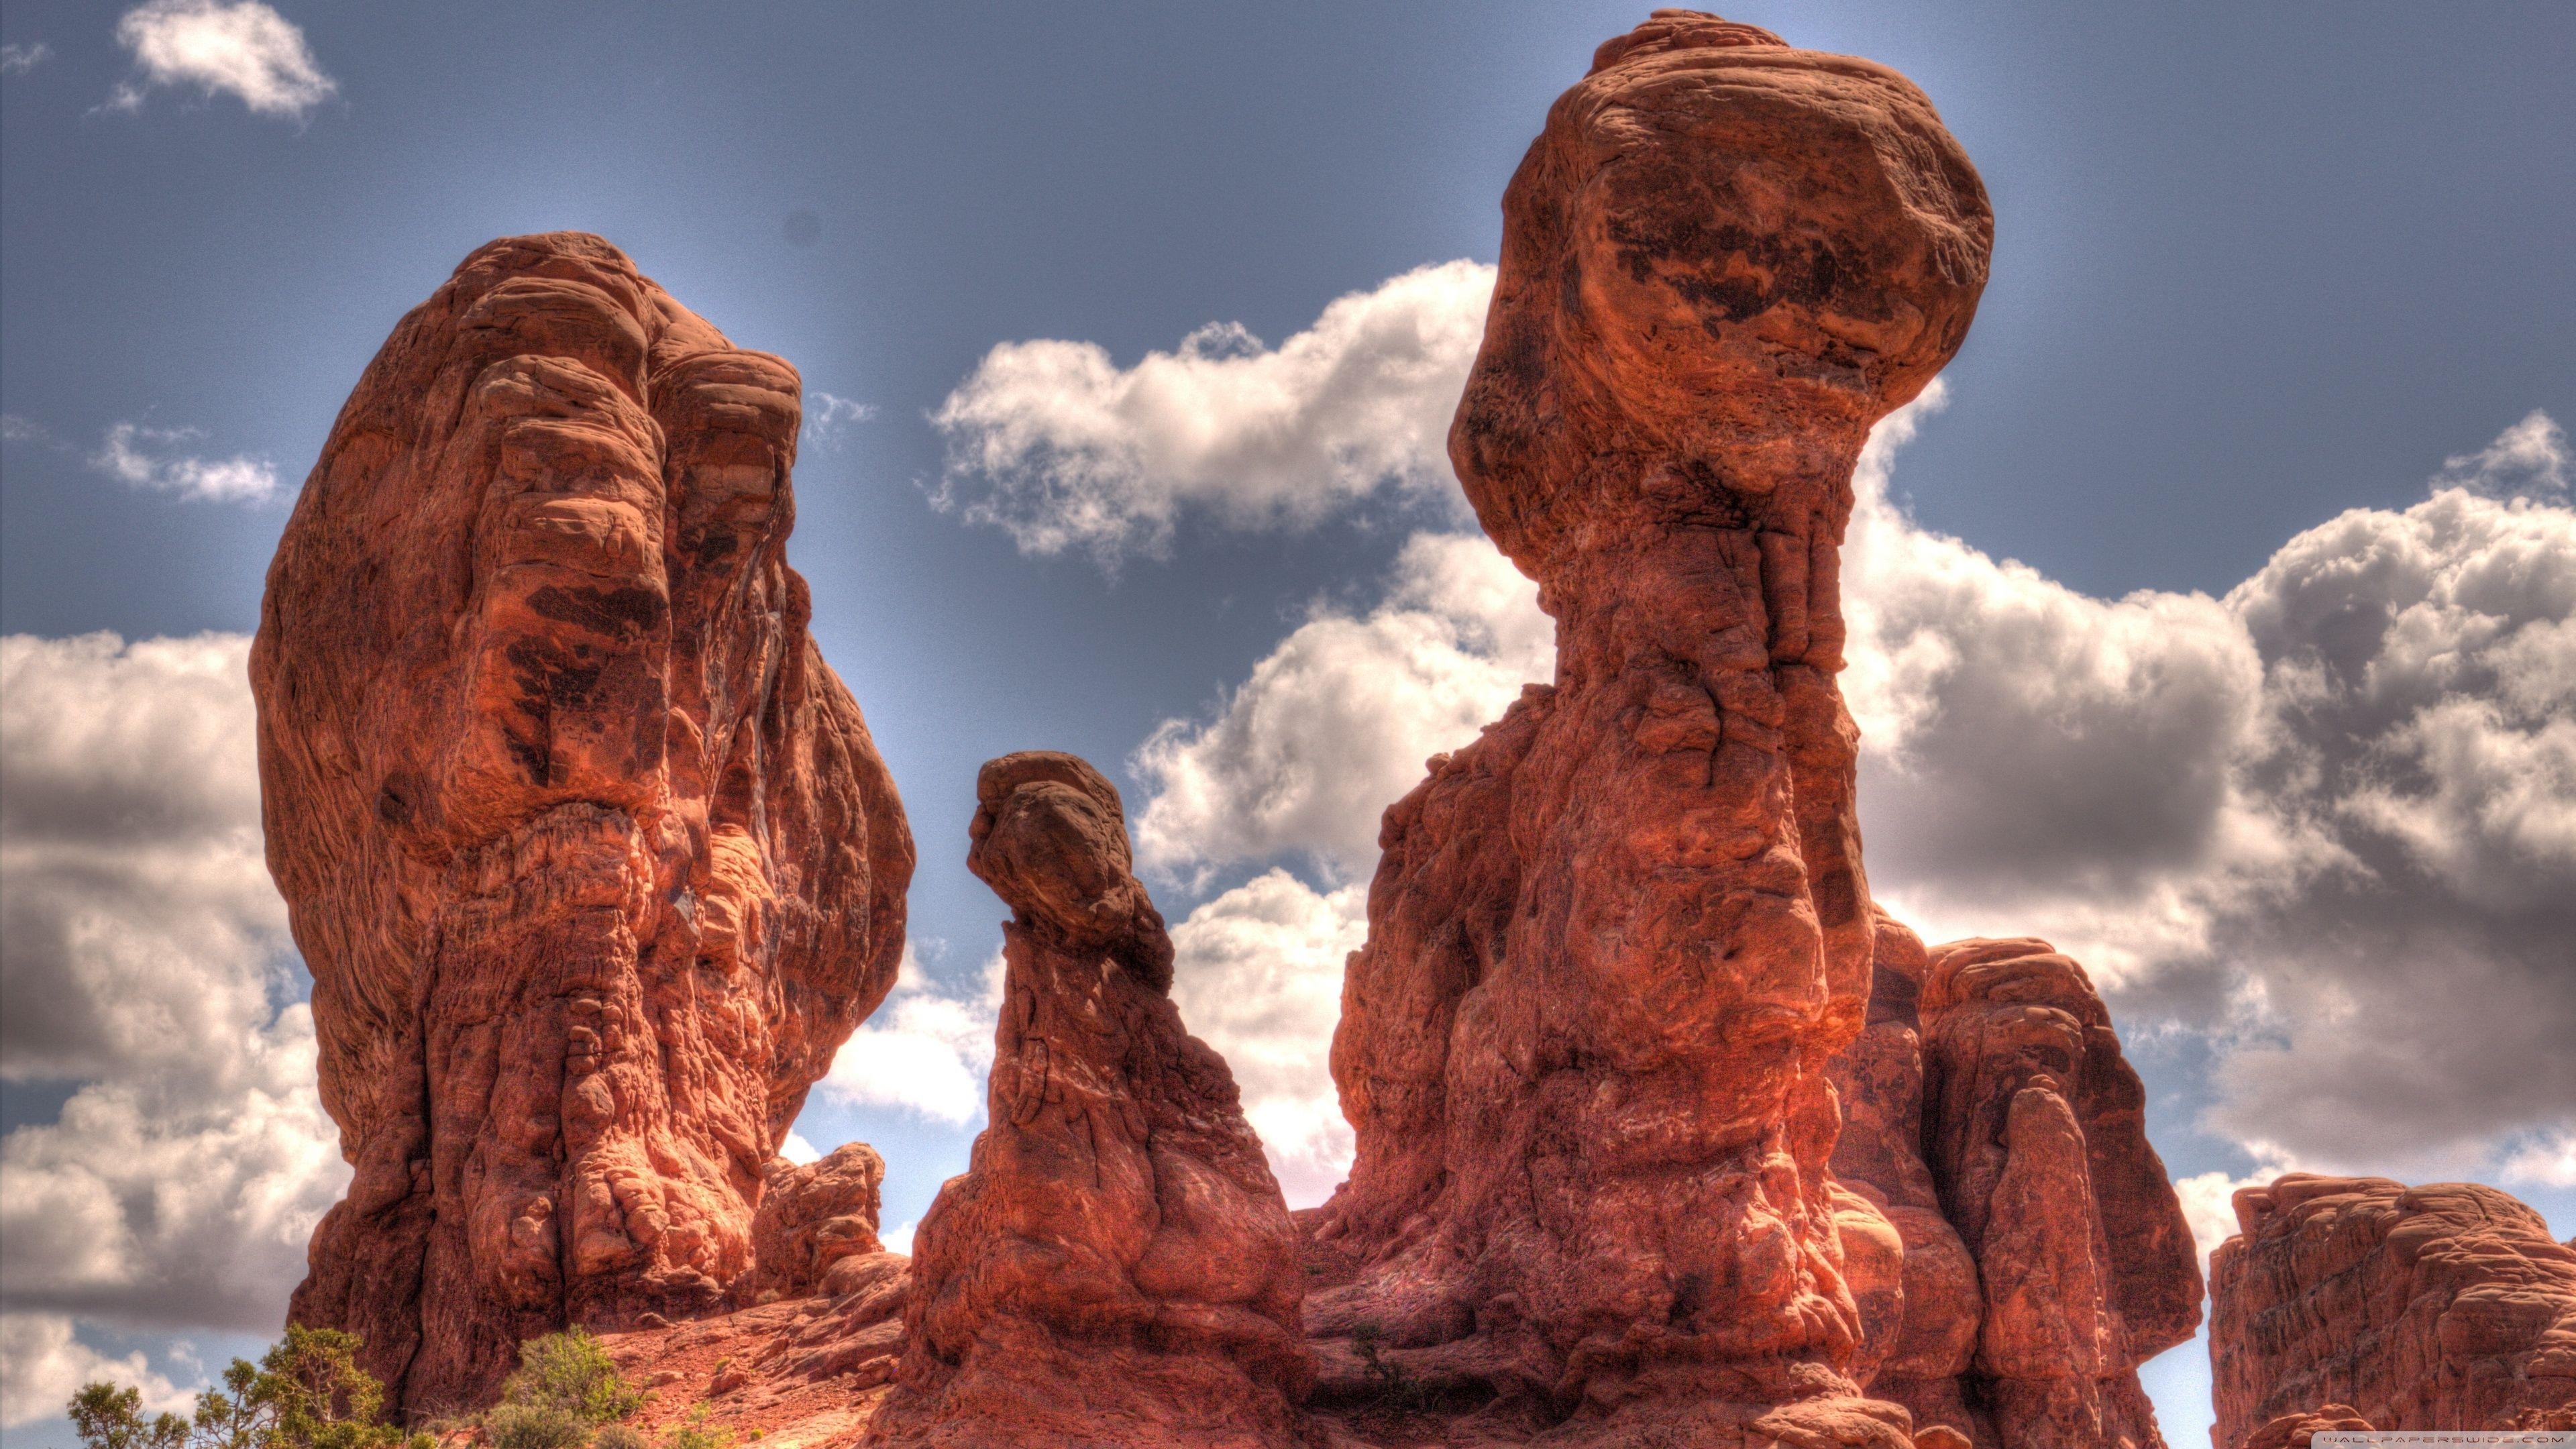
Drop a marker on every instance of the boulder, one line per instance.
(812, 1217)
(589, 852)
(1116, 1267)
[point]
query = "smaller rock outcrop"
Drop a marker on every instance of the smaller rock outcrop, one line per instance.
(812, 1218)
(2035, 1133)
(1117, 1266)
(2439, 1307)
(1916, 1284)
(2300, 1431)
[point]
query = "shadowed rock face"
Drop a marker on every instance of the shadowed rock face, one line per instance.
(589, 852)
(2446, 1306)
(1117, 1266)
(1614, 943)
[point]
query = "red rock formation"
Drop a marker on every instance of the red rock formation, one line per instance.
(1930, 1327)
(1117, 1268)
(2439, 1307)
(1615, 941)
(589, 852)
(812, 1218)
(2035, 1133)
(2300, 1431)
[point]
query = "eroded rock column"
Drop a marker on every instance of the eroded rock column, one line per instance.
(1614, 943)
(1117, 1267)
(590, 854)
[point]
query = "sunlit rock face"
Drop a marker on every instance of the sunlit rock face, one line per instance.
(1615, 942)
(2446, 1306)
(590, 854)
(1117, 1266)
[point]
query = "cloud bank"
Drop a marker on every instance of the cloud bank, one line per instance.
(926, 1050)
(1061, 448)
(245, 50)
(144, 956)
(2323, 825)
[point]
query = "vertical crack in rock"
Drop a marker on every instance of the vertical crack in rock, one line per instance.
(589, 852)
(1117, 1266)
(2446, 1306)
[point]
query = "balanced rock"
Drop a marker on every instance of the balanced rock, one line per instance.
(1117, 1267)
(1614, 942)
(2439, 1307)
(2035, 1134)
(589, 852)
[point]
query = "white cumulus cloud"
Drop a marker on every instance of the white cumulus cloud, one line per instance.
(42, 1365)
(244, 49)
(1335, 723)
(1058, 445)
(927, 1048)
(156, 459)
(2325, 823)
(144, 957)
(1257, 974)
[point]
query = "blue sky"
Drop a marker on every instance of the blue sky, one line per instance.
(2255, 267)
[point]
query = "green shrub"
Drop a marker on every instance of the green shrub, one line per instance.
(568, 1373)
(695, 1434)
(619, 1436)
(533, 1426)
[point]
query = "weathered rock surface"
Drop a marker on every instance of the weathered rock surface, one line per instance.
(813, 1217)
(1117, 1267)
(2035, 1134)
(2439, 1307)
(2299, 1431)
(1614, 942)
(803, 1372)
(589, 852)
(1919, 1333)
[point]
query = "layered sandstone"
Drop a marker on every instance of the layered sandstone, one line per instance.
(1614, 943)
(2439, 1307)
(1117, 1267)
(590, 854)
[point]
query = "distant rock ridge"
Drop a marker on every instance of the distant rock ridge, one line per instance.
(2446, 1306)
(589, 852)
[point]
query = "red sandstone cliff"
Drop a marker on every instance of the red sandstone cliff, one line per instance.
(590, 854)
(2439, 1307)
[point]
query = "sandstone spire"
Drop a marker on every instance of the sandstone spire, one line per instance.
(1615, 941)
(590, 854)
(1117, 1269)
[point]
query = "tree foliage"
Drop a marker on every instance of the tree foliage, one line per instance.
(306, 1392)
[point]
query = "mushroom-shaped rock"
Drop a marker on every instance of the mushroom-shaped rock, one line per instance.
(589, 852)
(2035, 1131)
(1614, 942)
(1117, 1266)
(2446, 1306)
